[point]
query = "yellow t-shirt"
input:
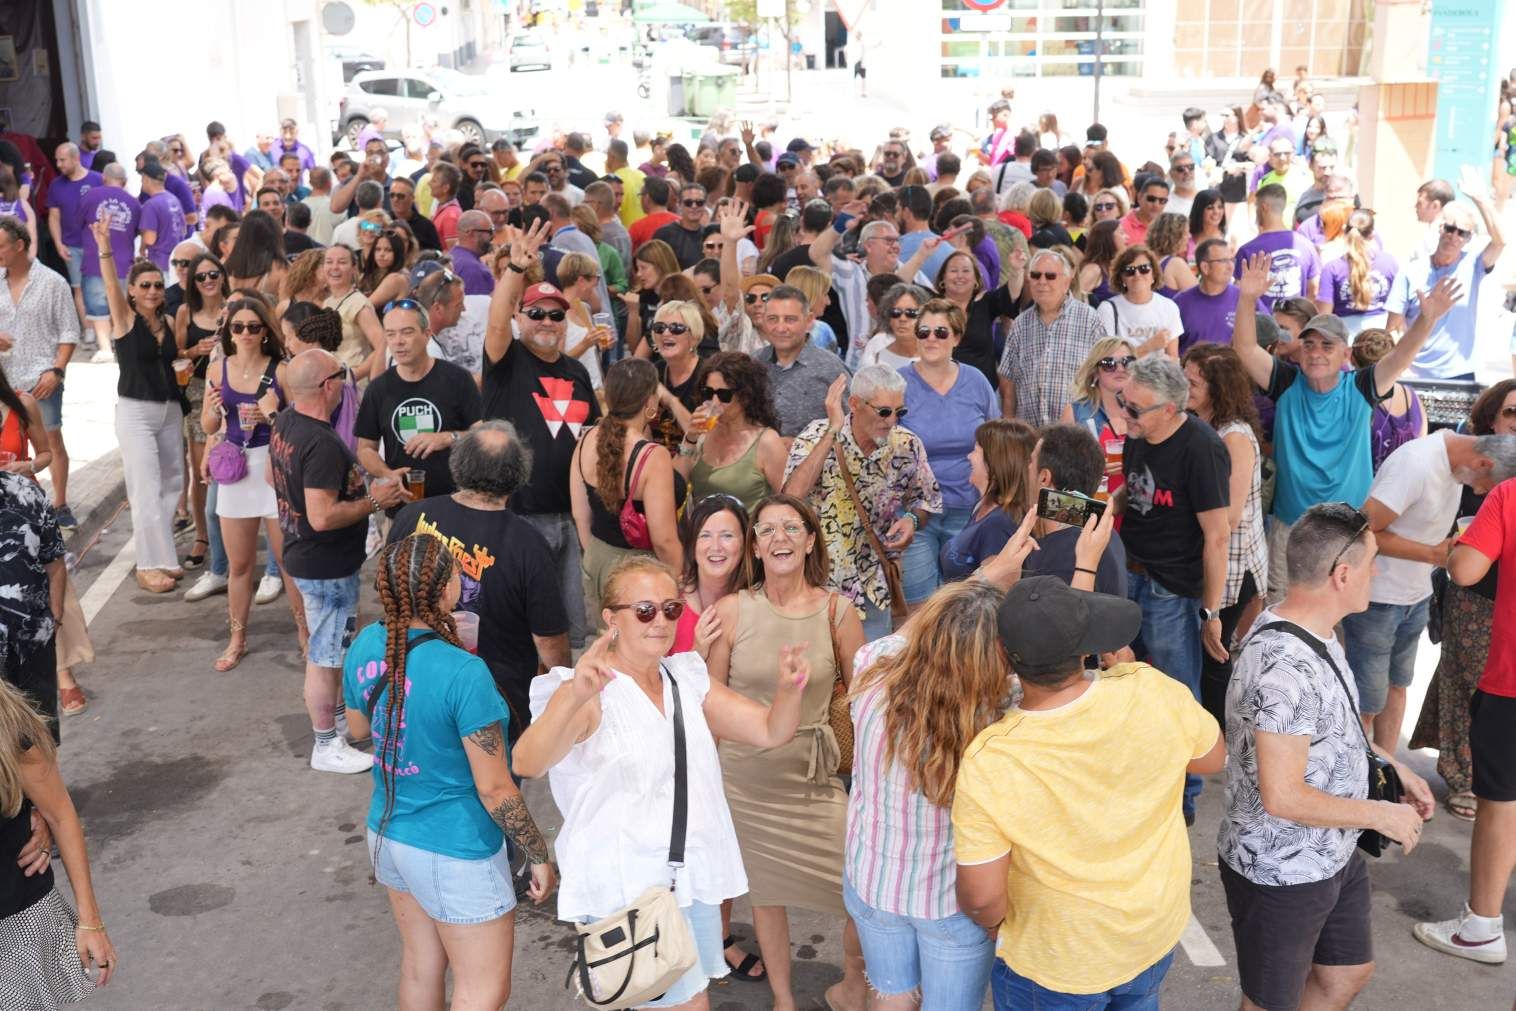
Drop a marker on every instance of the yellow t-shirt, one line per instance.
(424, 200)
(631, 194)
(1086, 799)
(512, 173)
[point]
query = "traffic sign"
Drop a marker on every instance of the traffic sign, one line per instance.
(424, 14)
(983, 5)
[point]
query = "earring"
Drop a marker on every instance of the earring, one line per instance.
(615, 634)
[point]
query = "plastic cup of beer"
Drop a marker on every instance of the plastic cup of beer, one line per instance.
(248, 416)
(415, 483)
(1464, 522)
(468, 630)
(606, 324)
(183, 370)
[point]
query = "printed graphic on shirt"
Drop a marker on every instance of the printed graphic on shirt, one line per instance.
(1143, 492)
(472, 560)
(559, 407)
(416, 416)
(371, 678)
(1286, 274)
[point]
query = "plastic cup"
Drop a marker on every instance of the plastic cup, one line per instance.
(468, 630)
(183, 370)
(6, 457)
(415, 483)
(247, 416)
(1464, 522)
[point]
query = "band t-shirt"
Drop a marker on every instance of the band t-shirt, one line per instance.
(394, 409)
(550, 403)
(306, 453)
(1167, 485)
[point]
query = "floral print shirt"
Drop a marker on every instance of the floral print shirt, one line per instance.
(29, 541)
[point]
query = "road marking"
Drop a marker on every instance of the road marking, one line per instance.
(105, 584)
(1198, 946)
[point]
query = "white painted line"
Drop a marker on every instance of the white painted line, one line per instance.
(1198, 946)
(105, 584)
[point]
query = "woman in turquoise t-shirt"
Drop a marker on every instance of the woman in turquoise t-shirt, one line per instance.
(443, 796)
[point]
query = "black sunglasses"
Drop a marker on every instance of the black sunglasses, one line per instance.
(677, 329)
(647, 610)
(1135, 412)
(1133, 269)
(1363, 524)
(1109, 364)
(335, 375)
(725, 396)
(693, 203)
(906, 313)
(537, 315)
(942, 333)
(1154, 198)
(1106, 205)
(1043, 275)
(180, 263)
(1452, 229)
(154, 285)
(208, 275)
(885, 412)
(752, 299)
(252, 328)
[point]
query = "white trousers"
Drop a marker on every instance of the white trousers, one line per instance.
(151, 436)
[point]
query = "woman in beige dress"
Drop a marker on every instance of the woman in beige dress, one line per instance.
(788, 805)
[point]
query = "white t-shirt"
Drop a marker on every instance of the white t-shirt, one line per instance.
(1416, 482)
(1137, 323)
(573, 334)
(877, 352)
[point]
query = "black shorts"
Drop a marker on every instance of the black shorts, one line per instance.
(1282, 930)
(859, 70)
(1492, 741)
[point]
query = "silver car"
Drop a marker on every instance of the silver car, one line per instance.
(409, 97)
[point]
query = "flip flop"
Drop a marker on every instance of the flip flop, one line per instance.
(744, 970)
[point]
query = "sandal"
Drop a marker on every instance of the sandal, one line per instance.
(1463, 805)
(744, 969)
(235, 650)
(182, 521)
(71, 701)
(195, 559)
(155, 581)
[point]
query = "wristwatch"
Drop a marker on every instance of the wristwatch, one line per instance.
(1206, 614)
(55, 370)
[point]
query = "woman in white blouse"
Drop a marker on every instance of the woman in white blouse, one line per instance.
(895, 345)
(1146, 320)
(603, 733)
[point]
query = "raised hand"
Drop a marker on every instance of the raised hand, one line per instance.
(1443, 296)
(748, 135)
(834, 398)
(794, 668)
(1254, 280)
(1004, 569)
(593, 671)
(733, 216)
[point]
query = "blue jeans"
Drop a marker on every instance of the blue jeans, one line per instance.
(1380, 644)
(1014, 992)
(919, 569)
(947, 961)
(877, 622)
(1170, 641)
(219, 565)
(331, 614)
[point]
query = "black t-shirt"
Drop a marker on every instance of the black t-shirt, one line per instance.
(688, 246)
(1055, 557)
(424, 231)
(17, 891)
(306, 453)
(296, 243)
(550, 403)
(978, 345)
(393, 410)
(1167, 485)
(509, 579)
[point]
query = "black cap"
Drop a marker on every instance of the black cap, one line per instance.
(1046, 626)
(799, 144)
(746, 173)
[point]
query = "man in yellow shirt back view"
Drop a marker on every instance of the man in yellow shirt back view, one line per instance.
(1067, 819)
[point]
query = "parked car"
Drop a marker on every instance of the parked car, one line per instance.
(354, 61)
(460, 101)
(737, 43)
(529, 50)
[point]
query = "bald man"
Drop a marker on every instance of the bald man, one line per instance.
(122, 213)
(323, 512)
(179, 261)
(475, 234)
(493, 202)
(64, 220)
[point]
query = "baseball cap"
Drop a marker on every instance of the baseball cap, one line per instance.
(799, 144)
(425, 269)
(1327, 324)
(1268, 330)
(1045, 624)
(543, 292)
(786, 159)
(941, 132)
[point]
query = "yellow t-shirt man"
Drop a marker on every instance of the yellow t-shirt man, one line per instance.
(1086, 800)
(631, 194)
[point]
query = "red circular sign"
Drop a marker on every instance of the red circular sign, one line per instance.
(983, 5)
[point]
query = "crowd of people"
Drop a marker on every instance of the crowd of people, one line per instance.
(912, 530)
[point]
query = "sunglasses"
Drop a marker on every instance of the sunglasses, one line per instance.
(712, 247)
(752, 299)
(401, 303)
(1153, 198)
(941, 333)
(370, 226)
(477, 166)
(904, 313)
(335, 375)
(537, 315)
(1363, 524)
(180, 263)
(885, 412)
(725, 396)
(1106, 206)
(1110, 364)
(1183, 169)
(677, 329)
(693, 203)
(647, 610)
(1135, 412)
(150, 285)
(1451, 229)
(1508, 412)
(1132, 270)
(249, 328)
(1043, 275)
(208, 275)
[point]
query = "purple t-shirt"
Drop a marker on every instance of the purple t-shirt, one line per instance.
(307, 159)
(477, 279)
(1293, 263)
(1334, 279)
(1208, 319)
(178, 189)
(123, 212)
(214, 196)
(239, 166)
(66, 194)
(162, 215)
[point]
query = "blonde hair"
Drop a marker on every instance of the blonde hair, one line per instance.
(1119, 196)
(634, 565)
(813, 282)
(1086, 388)
(19, 723)
(573, 266)
(688, 314)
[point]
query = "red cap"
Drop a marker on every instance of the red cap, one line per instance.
(543, 292)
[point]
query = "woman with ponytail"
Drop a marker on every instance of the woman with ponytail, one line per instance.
(618, 460)
(444, 801)
(1355, 285)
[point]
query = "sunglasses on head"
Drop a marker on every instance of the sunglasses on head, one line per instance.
(1111, 364)
(725, 396)
(537, 315)
(677, 329)
(904, 313)
(941, 333)
(153, 285)
(885, 412)
(207, 275)
(180, 263)
(1362, 524)
(752, 299)
(401, 303)
(1133, 269)
(254, 328)
(370, 226)
(647, 610)
(1452, 229)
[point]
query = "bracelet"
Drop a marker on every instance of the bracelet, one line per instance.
(512, 266)
(915, 520)
(98, 928)
(373, 502)
(687, 448)
(106, 255)
(1080, 568)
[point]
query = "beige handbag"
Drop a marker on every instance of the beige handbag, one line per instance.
(634, 955)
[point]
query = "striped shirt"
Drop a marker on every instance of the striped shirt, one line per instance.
(1247, 549)
(899, 844)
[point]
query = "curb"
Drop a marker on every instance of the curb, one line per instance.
(103, 486)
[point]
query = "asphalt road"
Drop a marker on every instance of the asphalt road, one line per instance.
(232, 876)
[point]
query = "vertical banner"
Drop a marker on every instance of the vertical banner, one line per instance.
(1462, 48)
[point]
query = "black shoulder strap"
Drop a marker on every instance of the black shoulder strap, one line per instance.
(373, 700)
(1316, 646)
(681, 779)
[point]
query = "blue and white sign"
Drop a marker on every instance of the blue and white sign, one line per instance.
(1461, 56)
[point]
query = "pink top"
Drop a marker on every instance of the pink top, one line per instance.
(684, 632)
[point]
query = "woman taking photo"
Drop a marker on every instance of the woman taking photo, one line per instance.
(895, 345)
(602, 733)
(443, 799)
(149, 413)
(46, 951)
(1092, 404)
(947, 404)
(1000, 471)
(384, 270)
(1207, 218)
(195, 328)
(1103, 243)
(616, 461)
(243, 391)
(362, 337)
(959, 283)
(787, 803)
(733, 445)
(918, 701)
(1221, 395)
(1137, 313)
(256, 261)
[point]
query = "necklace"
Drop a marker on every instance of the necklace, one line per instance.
(247, 371)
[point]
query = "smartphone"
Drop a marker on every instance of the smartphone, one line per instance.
(1068, 507)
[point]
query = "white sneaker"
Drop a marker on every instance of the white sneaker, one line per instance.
(103, 356)
(269, 588)
(339, 756)
(207, 584)
(1447, 936)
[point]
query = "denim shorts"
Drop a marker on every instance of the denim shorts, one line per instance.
(1014, 992)
(447, 889)
(920, 571)
(331, 614)
(1380, 644)
(948, 961)
(705, 924)
(52, 410)
(75, 265)
(95, 304)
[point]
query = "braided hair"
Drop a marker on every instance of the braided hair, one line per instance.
(322, 328)
(412, 576)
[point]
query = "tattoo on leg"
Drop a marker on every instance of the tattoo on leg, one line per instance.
(516, 821)
(489, 739)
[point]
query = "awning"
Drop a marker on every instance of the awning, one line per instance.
(667, 12)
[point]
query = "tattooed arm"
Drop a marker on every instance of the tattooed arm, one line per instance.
(497, 791)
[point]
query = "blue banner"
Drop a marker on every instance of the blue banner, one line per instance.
(1461, 51)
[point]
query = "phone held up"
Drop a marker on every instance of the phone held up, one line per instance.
(1068, 507)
